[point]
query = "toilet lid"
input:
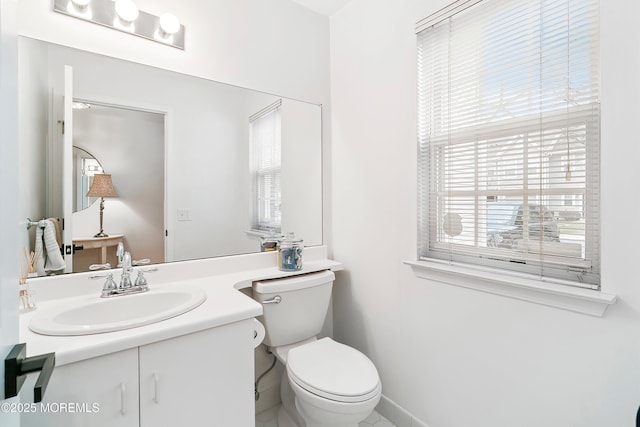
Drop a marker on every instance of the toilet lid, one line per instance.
(334, 371)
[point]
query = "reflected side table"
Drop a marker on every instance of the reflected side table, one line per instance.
(101, 243)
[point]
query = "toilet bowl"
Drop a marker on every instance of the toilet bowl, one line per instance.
(325, 383)
(322, 412)
(334, 384)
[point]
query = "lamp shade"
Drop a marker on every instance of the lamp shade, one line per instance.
(102, 186)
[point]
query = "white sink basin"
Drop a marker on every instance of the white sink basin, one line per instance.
(93, 315)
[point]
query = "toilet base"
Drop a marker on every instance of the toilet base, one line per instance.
(284, 420)
(290, 413)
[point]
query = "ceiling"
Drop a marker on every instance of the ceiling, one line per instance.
(323, 7)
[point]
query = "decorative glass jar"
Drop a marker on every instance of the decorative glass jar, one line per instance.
(290, 253)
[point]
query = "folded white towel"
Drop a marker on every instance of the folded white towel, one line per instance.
(50, 260)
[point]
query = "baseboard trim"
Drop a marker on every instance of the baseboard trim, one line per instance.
(397, 414)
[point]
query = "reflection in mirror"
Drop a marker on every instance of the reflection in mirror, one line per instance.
(130, 146)
(209, 205)
(85, 167)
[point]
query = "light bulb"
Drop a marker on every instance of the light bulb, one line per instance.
(169, 23)
(127, 10)
(81, 4)
(80, 8)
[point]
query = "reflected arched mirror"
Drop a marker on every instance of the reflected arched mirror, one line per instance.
(85, 167)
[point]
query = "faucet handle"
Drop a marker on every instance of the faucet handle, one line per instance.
(141, 280)
(100, 276)
(109, 286)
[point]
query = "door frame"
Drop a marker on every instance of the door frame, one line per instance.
(135, 105)
(10, 223)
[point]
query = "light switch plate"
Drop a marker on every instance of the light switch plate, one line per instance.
(184, 214)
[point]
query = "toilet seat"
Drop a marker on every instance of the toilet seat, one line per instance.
(333, 371)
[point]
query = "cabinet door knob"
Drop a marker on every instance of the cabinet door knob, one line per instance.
(123, 399)
(155, 388)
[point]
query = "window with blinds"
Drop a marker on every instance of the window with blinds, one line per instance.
(264, 134)
(509, 137)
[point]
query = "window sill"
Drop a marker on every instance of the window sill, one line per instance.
(255, 234)
(525, 288)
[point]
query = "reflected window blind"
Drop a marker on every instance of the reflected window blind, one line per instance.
(509, 137)
(264, 133)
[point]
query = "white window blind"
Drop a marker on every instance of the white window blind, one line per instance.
(264, 130)
(509, 137)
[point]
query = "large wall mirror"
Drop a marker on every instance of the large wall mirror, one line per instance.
(179, 151)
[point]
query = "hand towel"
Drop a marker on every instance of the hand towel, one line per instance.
(50, 260)
(56, 224)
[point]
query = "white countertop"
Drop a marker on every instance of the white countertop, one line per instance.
(225, 304)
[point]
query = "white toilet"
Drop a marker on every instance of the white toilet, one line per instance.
(325, 383)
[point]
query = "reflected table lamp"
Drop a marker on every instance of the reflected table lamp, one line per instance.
(102, 187)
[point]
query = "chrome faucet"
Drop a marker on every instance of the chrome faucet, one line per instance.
(126, 286)
(120, 253)
(125, 278)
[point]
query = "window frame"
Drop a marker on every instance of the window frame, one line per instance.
(263, 177)
(426, 231)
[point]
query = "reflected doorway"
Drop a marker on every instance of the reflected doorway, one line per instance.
(128, 144)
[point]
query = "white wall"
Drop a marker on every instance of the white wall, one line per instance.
(33, 127)
(275, 46)
(456, 357)
(301, 170)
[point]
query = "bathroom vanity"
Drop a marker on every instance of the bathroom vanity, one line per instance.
(192, 369)
(188, 379)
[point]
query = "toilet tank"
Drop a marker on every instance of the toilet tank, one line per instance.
(300, 314)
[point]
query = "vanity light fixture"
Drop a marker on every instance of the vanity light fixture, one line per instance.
(79, 9)
(127, 10)
(168, 25)
(102, 187)
(124, 15)
(81, 4)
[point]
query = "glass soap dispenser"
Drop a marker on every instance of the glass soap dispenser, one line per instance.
(290, 253)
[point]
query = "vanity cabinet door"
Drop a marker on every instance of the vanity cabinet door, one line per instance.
(98, 392)
(200, 379)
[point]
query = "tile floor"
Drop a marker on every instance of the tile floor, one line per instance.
(268, 418)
